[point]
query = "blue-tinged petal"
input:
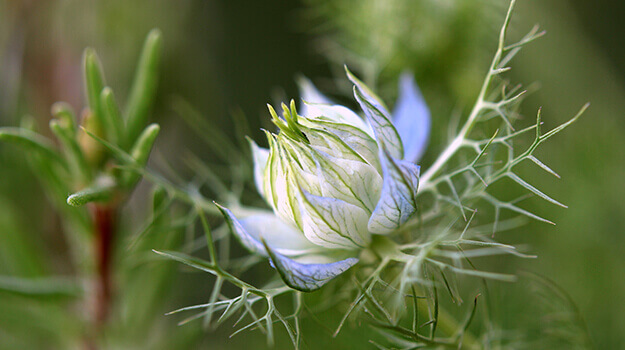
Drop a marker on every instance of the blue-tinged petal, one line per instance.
(398, 200)
(378, 119)
(411, 118)
(366, 92)
(282, 237)
(307, 277)
(260, 156)
(309, 94)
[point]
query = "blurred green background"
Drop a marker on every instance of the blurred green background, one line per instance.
(235, 55)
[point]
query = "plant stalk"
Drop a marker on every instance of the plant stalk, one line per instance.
(104, 220)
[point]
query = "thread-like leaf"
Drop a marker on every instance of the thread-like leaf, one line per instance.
(534, 190)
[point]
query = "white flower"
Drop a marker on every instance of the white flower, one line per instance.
(333, 179)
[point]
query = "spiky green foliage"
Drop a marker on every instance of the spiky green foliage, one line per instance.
(398, 285)
(440, 41)
(402, 287)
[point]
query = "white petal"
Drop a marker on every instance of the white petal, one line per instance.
(327, 142)
(398, 200)
(303, 166)
(411, 118)
(353, 181)
(283, 238)
(309, 94)
(361, 142)
(307, 277)
(279, 184)
(337, 114)
(333, 223)
(260, 156)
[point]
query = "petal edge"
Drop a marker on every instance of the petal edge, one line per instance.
(309, 94)
(399, 192)
(251, 230)
(260, 156)
(307, 277)
(378, 118)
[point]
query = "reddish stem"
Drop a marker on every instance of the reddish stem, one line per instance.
(104, 224)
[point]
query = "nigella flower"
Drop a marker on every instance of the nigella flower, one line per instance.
(334, 179)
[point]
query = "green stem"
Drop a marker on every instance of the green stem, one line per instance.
(460, 139)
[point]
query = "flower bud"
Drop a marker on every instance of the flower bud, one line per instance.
(332, 179)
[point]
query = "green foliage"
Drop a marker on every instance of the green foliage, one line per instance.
(144, 86)
(83, 160)
(409, 288)
(401, 281)
(91, 162)
(440, 41)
